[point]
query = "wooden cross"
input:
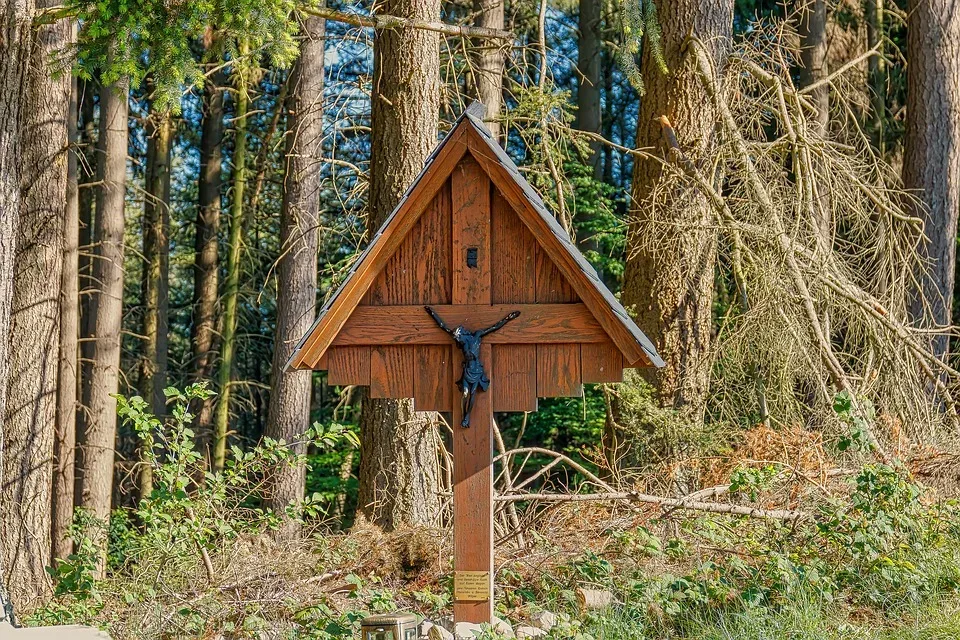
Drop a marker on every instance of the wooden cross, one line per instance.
(475, 242)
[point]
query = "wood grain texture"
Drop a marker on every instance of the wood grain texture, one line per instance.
(601, 362)
(513, 276)
(516, 367)
(558, 365)
(559, 323)
(470, 198)
(420, 271)
(432, 386)
(388, 239)
(348, 365)
(558, 371)
(514, 280)
(472, 447)
(552, 286)
(565, 262)
(473, 493)
(392, 370)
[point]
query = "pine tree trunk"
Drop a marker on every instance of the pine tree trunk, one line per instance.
(931, 161)
(232, 284)
(606, 120)
(589, 58)
(205, 278)
(89, 139)
(399, 480)
(876, 72)
(14, 65)
(34, 329)
(671, 292)
(65, 437)
(488, 61)
(106, 309)
(156, 272)
(812, 29)
(290, 391)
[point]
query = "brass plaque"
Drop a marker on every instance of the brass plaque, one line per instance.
(472, 586)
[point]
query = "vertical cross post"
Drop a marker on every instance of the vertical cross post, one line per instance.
(472, 447)
(473, 505)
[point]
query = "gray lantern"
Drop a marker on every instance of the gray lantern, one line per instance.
(389, 626)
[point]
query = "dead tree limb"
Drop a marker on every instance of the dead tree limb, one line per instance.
(643, 498)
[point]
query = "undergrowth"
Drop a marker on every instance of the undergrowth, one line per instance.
(876, 557)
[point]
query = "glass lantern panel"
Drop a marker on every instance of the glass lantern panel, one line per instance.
(380, 634)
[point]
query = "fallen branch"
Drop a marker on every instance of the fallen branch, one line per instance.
(643, 498)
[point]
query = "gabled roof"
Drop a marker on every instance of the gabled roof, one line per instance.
(469, 135)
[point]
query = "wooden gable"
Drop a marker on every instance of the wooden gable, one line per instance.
(471, 210)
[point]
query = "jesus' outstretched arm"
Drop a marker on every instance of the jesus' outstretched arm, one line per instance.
(510, 316)
(438, 320)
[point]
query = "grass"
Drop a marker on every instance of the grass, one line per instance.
(802, 620)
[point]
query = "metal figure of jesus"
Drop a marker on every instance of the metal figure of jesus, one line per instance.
(474, 378)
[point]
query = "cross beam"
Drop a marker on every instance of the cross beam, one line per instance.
(409, 324)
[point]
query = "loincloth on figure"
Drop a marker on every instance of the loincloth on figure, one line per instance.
(473, 376)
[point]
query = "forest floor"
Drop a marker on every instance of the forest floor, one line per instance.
(847, 548)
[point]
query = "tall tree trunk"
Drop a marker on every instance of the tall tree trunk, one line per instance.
(290, 391)
(398, 463)
(15, 44)
(876, 73)
(589, 58)
(34, 334)
(671, 292)
(106, 310)
(488, 61)
(205, 275)
(232, 285)
(931, 161)
(89, 172)
(156, 272)
(812, 29)
(65, 437)
(606, 120)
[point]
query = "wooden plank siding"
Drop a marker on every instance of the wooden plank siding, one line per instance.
(601, 362)
(558, 371)
(514, 282)
(432, 386)
(348, 365)
(390, 237)
(554, 247)
(471, 231)
(392, 370)
(420, 270)
(558, 365)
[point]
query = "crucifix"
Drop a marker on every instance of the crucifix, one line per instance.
(473, 378)
(471, 246)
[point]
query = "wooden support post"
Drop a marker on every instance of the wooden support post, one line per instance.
(473, 502)
(473, 446)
